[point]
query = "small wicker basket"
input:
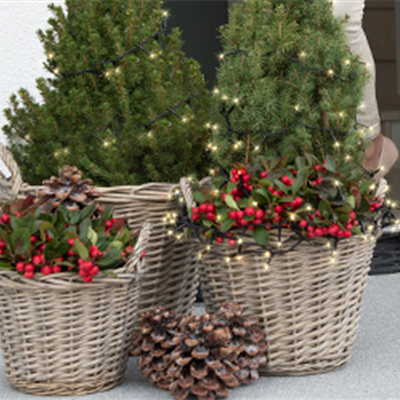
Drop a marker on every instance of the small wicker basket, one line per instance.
(307, 301)
(172, 277)
(61, 336)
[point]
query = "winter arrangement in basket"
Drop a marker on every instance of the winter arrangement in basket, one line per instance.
(126, 106)
(69, 287)
(288, 218)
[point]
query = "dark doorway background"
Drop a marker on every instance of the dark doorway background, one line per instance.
(198, 21)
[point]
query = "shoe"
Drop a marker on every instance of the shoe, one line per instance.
(388, 158)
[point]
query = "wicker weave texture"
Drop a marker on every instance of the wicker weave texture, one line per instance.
(308, 303)
(172, 277)
(61, 336)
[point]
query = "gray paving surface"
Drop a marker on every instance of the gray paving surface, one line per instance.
(373, 371)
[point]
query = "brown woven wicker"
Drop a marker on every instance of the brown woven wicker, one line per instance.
(61, 336)
(172, 277)
(308, 303)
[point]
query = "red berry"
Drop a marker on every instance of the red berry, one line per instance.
(333, 230)
(234, 171)
(5, 218)
(109, 224)
(233, 215)
(318, 232)
(36, 260)
(317, 167)
(249, 211)
(29, 274)
(211, 216)
(33, 239)
(18, 214)
(319, 180)
(3, 244)
(57, 269)
(299, 201)
(352, 215)
(339, 234)
(48, 238)
(42, 260)
(123, 254)
(232, 242)
(203, 207)
(257, 221)
(20, 267)
(70, 252)
(303, 223)
(195, 210)
(143, 253)
(246, 178)
(210, 208)
(347, 234)
(276, 218)
(259, 214)
(29, 268)
(311, 235)
(195, 217)
(233, 180)
(285, 179)
(242, 171)
(95, 270)
(219, 239)
(278, 209)
(71, 242)
(46, 270)
(271, 189)
(128, 249)
(263, 174)
(240, 214)
(87, 278)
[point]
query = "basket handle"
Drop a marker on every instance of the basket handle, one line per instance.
(12, 166)
(136, 259)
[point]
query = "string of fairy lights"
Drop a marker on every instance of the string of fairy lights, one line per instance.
(283, 243)
(99, 71)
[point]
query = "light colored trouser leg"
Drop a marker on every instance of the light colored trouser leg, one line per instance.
(358, 43)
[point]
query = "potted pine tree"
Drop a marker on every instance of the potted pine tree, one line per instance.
(288, 219)
(128, 108)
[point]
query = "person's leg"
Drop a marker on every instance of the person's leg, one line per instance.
(382, 150)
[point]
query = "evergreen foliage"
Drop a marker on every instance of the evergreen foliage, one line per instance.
(286, 81)
(124, 104)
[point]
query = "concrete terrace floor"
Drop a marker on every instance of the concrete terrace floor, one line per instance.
(373, 371)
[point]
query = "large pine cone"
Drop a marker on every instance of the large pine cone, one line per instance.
(70, 190)
(212, 354)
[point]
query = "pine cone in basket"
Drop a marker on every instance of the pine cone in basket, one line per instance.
(213, 354)
(69, 189)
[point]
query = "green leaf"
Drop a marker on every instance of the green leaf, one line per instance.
(198, 197)
(300, 162)
(81, 250)
(299, 181)
(330, 163)
(231, 186)
(117, 244)
(6, 266)
(230, 202)
(112, 274)
(112, 257)
(364, 207)
(260, 235)
(45, 226)
(325, 209)
(226, 225)
(92, 235)
(61, 249)
(356, 230)
(17, 223)
(83, 229)
(87, 212)
(21, 240)
(281, 185)
(364, 187)
(352, 201)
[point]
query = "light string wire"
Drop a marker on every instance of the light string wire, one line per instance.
(172, 110)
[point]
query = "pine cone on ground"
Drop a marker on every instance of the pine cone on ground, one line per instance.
(158, 337)
(70, 190)
(213, 353)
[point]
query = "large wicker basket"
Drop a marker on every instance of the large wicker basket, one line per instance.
(61, 336)
(307, 299)
(172, 277)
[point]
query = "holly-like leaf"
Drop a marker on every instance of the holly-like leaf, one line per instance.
(87, 212)
(117, 244)
(230, 202)
(260, 235)
(198, 197)
(92, 235)
(325, 209)
(112, 257)
(330, 163)
(300, 179)
(226, 225)
(21, 240)
(6, 266)
(356, 230)
(81, 250)
(83, 229)
(61, 249)
(352, 201)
